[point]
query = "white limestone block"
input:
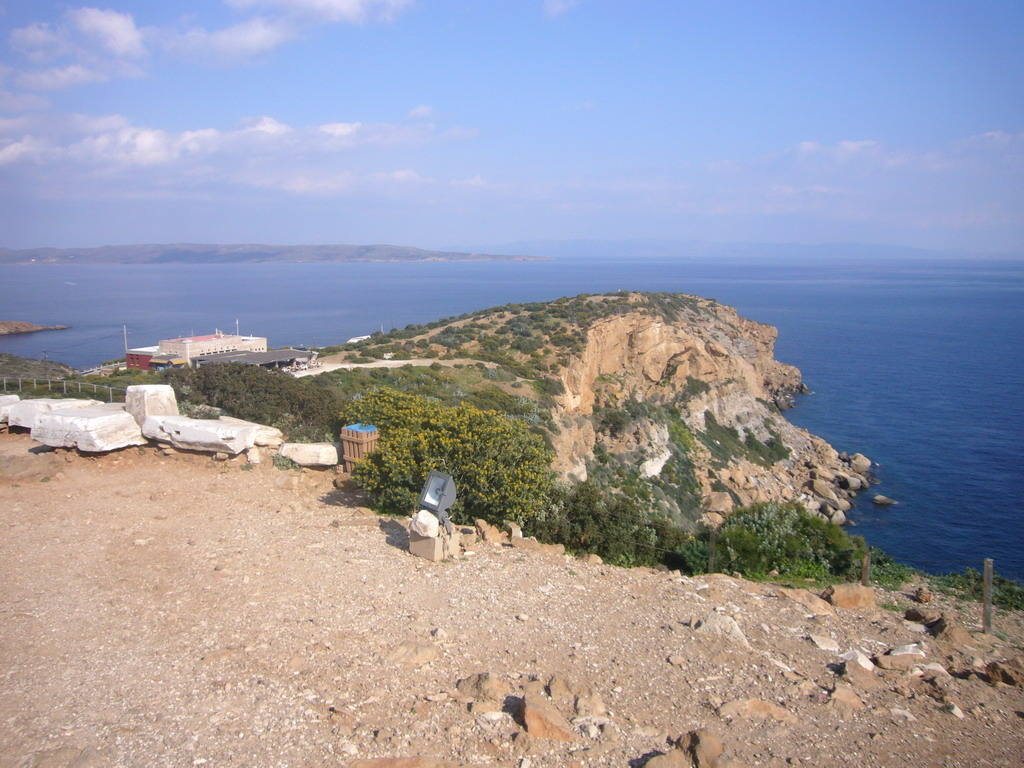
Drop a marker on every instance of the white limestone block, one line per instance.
(94, 429)
(311, 454)
(24, 412)
(268, 437)
(145, 400)
(209, 435)
(6, 401)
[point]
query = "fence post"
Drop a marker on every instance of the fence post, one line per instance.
(986, 615)
(865, 569)
(711, 550)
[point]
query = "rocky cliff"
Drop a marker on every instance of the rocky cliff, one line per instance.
(671, 399)
(700, 389)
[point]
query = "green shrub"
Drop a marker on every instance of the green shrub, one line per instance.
(758, 539)
(501, 470)
(969, 585)
(586, 520)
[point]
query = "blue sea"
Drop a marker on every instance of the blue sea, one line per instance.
(917, 363)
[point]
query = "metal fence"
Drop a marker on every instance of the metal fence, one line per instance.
(64, 387)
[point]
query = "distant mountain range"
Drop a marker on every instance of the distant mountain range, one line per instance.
(194, 253)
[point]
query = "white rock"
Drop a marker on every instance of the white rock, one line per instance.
(859, 659)
(6, 401)
(311, 454)
(24, 412)
(914, 649)
(94, 429)
(424, 524)
(825, 643)
(725, 626)
(144, 400)
(267, 437)
(211, 435)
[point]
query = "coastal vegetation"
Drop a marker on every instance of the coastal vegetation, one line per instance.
(501, 470)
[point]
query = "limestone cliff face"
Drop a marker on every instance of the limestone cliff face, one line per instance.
(712, 370)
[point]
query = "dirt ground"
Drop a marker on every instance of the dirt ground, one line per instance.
(176, 611)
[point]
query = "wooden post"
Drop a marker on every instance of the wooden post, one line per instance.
(865, 569)
(711, 550)
(986, 616)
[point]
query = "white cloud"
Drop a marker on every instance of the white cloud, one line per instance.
(69, 156)
(553, 8)
(115, 32)
(341, 130)
(351, 11)
(57, 78)
(89, 45)
(240, 41)
(421, 112)
(41, 42)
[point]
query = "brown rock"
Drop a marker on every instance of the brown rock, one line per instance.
(756, 708)
(860, 463)
(926, 616)
(704, 747)
(809, 601)
(1010, 672)
(483, 686)
(861, 678)
(414, 653)
(677, 758)
(590, 704)
(543, 721)
(923, 594)
(849, 596)
(948, 631)
(902, 659)
(490, 534)
(843, 696)
(535, 546)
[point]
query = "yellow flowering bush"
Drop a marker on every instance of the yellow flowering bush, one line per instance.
(502, 471)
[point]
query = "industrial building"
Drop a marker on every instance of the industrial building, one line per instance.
(176, 353)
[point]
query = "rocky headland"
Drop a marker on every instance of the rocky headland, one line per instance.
(8, 327)
(673, 398)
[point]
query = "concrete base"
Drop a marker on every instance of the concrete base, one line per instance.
(434, 547)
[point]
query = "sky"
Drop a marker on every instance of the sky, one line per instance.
(432, 123)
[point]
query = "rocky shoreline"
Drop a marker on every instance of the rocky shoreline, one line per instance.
(11, 327)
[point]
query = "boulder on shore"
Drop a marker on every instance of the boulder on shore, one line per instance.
(860, 463)
(882, 501)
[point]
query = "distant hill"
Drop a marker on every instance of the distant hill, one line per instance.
(9, 327)
(26, 368)
(197, 253)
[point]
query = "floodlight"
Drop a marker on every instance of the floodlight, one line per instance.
(438, 495)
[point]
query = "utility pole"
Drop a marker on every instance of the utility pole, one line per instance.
(125, 327)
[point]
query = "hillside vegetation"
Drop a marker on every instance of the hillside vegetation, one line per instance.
(670, 400)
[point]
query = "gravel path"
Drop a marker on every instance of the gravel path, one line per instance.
(176, 611)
